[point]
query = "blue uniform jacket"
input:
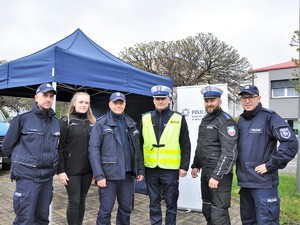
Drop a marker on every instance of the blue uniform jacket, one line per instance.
(31, 142)
(259, 132)
(106, 152)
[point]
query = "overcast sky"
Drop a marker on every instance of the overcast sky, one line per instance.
(259, 30)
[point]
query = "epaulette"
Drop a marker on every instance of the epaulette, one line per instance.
(99, 118)
(64, 118)
(267, 110)
(25, 112)
(227, 116)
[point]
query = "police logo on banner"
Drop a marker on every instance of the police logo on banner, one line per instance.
(231, 131)
(285, 133)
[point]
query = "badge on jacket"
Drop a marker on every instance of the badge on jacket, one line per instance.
(285, 133)
(231, 131)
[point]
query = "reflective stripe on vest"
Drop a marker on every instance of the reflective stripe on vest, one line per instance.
(166, 154)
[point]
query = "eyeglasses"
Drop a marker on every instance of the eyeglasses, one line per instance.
(249, 98)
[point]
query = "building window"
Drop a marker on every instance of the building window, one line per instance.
(283, 88)
(278, 92)
(292, 92)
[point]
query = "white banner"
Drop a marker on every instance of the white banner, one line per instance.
(189, 102)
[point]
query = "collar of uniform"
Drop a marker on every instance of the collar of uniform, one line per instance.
(79, 115)
(249, 115)
(211, 116)
(165, 111)
(43, 113)
(117, 117)
(111, 122)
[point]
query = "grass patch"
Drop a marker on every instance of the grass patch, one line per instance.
(290, 199)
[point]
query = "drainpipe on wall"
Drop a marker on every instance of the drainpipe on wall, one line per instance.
(298, 155)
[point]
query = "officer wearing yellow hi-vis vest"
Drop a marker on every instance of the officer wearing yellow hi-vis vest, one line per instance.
(166, 149)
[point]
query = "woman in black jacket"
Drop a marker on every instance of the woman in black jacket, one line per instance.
(74, 169)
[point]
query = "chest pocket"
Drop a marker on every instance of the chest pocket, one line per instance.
(74, 129)
(32, 131)
(258, 130)
(209, 133)
(109, 139)
(32, 135)
(108, 131)
(108, 148)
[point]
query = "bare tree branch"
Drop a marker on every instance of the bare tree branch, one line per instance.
(202, 59)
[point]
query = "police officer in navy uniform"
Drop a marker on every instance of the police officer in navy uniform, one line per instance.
(116, 158)
(31, 142)
(166, 148)
(215, 156)
(259, 158)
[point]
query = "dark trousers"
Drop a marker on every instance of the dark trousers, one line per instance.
(162, 182)
(31, 202)
(259, 206)
(123, 190)
(77, 189)
(216, 201)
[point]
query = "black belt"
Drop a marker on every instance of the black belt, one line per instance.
(157, 146)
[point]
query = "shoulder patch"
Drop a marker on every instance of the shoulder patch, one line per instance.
(231, 131)
(285, 132)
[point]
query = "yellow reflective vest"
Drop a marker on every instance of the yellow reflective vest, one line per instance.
(167, 153)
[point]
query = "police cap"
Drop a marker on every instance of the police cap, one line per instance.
(160, 91)
(44, 88)
(211, 92)
(250, 89)
(117, 96)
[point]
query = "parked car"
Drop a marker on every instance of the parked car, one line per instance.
(4, 160)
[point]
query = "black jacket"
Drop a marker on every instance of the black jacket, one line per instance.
(73, 146)
(31, 141)
(106, 152)
(217, 144)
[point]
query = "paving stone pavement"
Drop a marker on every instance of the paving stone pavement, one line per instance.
(140, 214)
